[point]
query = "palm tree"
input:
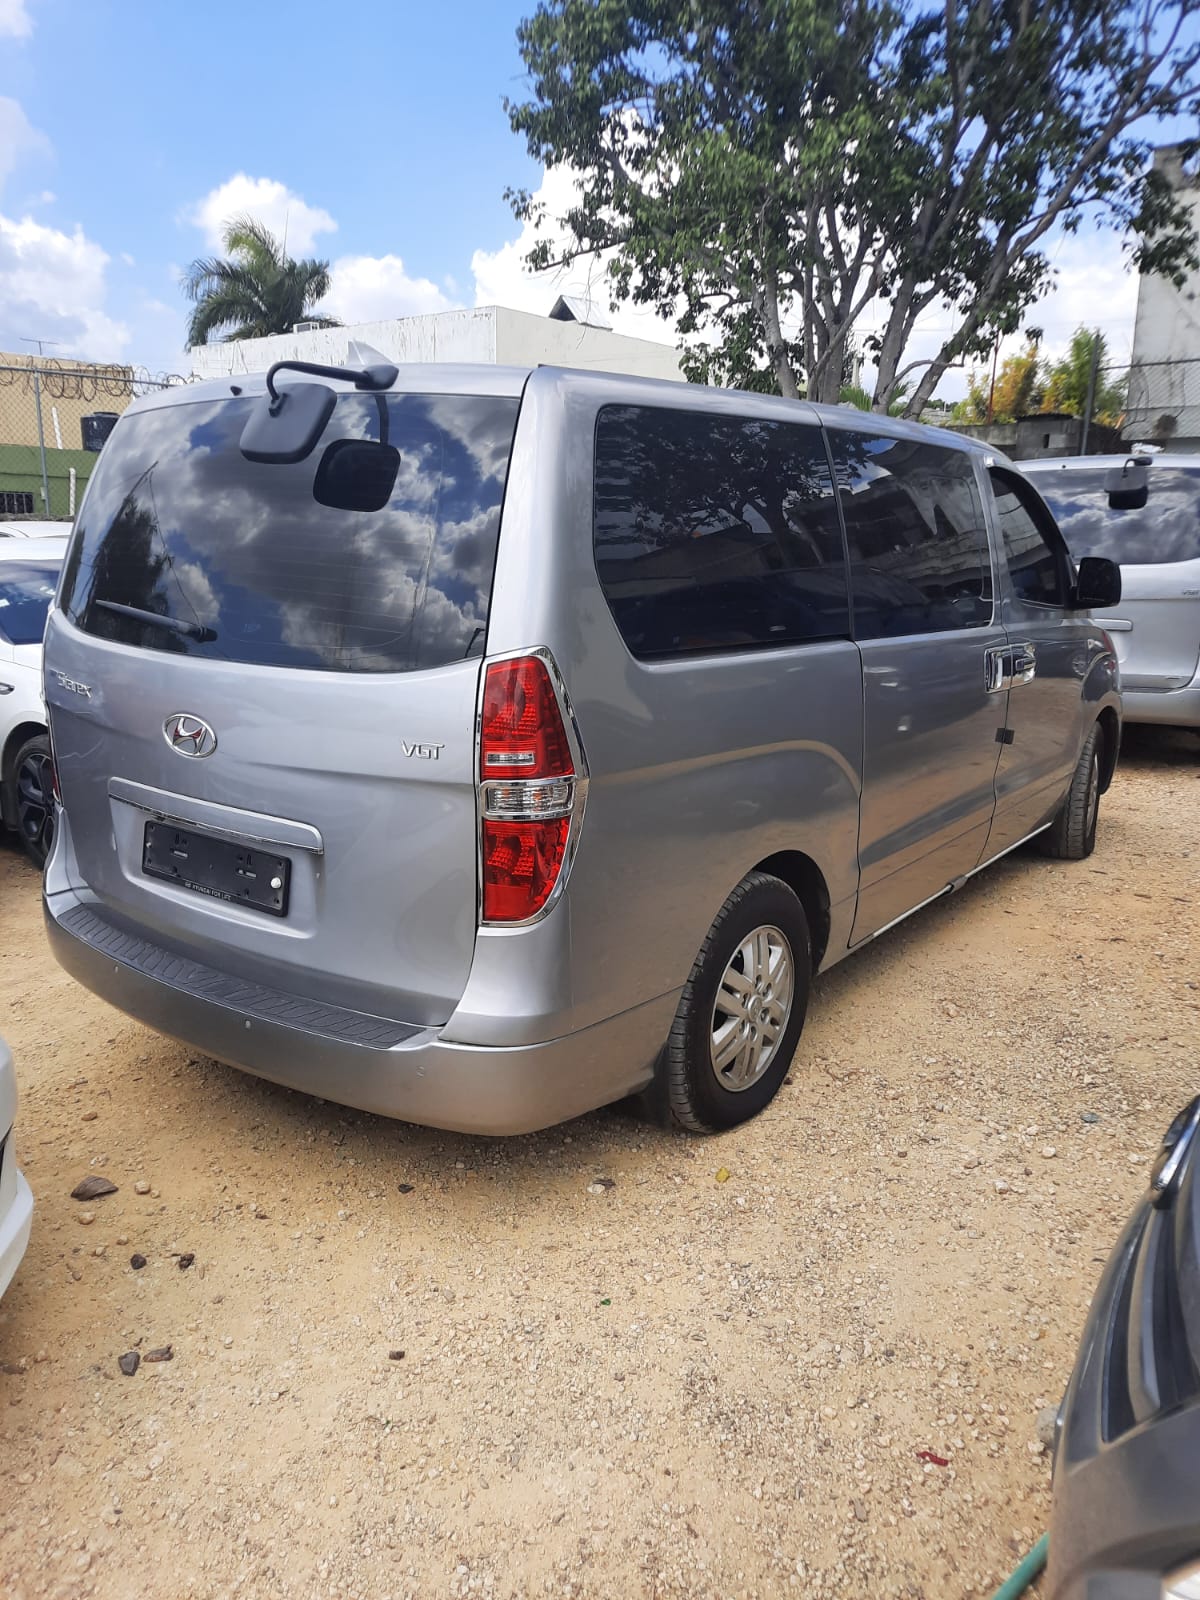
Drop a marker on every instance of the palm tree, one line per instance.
(258, 290)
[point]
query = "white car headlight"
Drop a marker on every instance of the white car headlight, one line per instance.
(1184, 1584)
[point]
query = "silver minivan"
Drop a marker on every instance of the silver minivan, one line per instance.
(481, 746)
(1144, 512)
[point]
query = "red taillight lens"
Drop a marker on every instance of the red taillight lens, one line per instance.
(522, 734)
(521, 863)
(528, 788)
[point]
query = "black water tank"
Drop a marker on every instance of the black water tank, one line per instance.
(96, 427)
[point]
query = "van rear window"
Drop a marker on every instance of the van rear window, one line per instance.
(324, 564)
(1165, 529)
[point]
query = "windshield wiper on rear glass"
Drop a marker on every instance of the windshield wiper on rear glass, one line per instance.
(190, 630)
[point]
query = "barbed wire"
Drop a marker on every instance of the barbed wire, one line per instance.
(86, 381)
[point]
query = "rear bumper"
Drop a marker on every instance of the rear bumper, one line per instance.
(15, 1223)
(418, 1077)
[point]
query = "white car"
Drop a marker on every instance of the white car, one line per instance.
(16, 1202)
(29, 571)
(10, 529)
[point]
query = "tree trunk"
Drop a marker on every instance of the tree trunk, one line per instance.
(781, 364)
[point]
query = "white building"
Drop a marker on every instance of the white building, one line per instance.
(1164, 383)
(568, 337)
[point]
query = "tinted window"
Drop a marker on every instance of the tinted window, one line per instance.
(1034, 560)
(26, 590)
(919, 559)
(250, 567)
(1166, 528)
(716, 533)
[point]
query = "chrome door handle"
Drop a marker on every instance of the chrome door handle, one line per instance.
(1023, 664)
(995, 671)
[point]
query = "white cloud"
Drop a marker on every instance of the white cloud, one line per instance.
(52, 286)
(374, 288)
(503, 279)
(268, 201)
(15, 21)
(18, 136)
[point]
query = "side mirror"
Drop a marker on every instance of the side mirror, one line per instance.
(284, 427)
(1098, 585)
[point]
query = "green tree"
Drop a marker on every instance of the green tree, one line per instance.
(766, 170)
(256, 289)
(1068, 379)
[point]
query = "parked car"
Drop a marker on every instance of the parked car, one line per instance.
(1126, 1512)
(28, 578)
(16, 1202)
(481, 746)
(11, 528)
(1144, 512)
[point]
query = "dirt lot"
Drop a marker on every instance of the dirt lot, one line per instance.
(673, 1385)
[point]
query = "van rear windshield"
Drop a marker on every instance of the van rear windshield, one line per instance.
(357, 559)
(1166, 528)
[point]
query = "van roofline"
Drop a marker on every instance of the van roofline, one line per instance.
(1176, 458)
(487, 378)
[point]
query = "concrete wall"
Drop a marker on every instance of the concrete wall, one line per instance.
(1164, 388)
(526, 340)
(491, 334)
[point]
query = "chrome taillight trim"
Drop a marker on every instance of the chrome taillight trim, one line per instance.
(580, 781)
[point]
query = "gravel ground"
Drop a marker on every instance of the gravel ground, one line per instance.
(604, 1360)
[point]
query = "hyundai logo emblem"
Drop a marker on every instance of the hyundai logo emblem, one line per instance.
(188, 735)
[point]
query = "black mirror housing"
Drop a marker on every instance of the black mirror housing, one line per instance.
(1128, 487)
(1098, 585)
(285, 427)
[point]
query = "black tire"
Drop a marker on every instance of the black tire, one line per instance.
(694, 1092)
(1072, 834)
(30, 799)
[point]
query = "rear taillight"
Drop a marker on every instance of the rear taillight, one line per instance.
(529, 789)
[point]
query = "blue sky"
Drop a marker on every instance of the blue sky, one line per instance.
(386, 117)
(375, 131)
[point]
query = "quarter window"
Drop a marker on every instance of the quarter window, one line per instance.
(919, 559)
(715, 532)
(1036, 564)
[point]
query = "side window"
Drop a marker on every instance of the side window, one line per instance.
(919, 559)
(1036, 563)
(715, 532)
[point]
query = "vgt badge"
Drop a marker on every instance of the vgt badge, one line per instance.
(188, 735)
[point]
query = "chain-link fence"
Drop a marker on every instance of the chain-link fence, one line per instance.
(54, 417)
(1162, 404)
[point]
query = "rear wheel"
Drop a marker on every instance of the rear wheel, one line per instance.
(31, 798)
(741, 1011)
(1072, 834)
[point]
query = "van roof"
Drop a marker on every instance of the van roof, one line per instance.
(485, 378)
(1173, 458)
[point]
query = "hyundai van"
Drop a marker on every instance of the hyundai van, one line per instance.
(481, 746)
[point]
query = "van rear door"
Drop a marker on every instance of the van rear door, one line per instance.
(263, 684)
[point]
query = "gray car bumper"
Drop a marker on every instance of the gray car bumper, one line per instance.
(396, 1070)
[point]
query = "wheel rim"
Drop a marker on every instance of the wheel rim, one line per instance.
(753, 1004)
(35, 803)
(1093, 802)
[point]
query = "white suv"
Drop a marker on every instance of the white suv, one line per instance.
(29, 571)
(16, 1202)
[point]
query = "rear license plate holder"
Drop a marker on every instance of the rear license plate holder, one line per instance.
(222, 869)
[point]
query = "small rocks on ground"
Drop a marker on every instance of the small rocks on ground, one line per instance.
(141, 1187)
(129, 1362)
(186, 1260)
(137, 1262)
(87, 1217)
(395, 1355)
(163, 1352)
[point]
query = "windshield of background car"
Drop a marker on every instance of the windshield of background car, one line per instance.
(1166, 528)
(281, 565)
(26, 590)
